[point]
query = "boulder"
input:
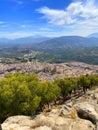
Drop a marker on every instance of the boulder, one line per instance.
(87, 111)
(71, 124)
(46, 122)
(62, 123)
(17, 123)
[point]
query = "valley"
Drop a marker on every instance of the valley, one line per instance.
(49, 65)
(54, 50)
(46, 77)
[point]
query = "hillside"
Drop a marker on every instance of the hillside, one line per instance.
(78, 113)
(69, 48)
(67, 42)
(43, 43)
(60, 49)
(87, 55)
(67, 103)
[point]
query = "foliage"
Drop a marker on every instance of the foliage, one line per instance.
(84, 82)
(25, 94)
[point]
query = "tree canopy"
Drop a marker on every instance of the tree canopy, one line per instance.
(25, 94)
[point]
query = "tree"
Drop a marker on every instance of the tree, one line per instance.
(66, 87)
(84, 82)
(17, 95)
(93, 80)
(48, 92)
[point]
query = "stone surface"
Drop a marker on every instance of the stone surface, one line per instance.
(17, 123)
(85, 109)
(46, 122)
(43, 128)
(63, 117)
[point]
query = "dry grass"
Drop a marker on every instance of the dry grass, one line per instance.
(73, 113)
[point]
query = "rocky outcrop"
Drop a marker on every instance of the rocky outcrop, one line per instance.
(17, 123)
(76, 114)
(47, 121)
(87, 111)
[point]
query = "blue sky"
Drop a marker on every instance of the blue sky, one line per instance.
(21, 18)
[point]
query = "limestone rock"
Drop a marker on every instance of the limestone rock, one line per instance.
(17, 123)
(43, 128)
(87, 111)
(64, 110)
(82, 114)
(78, 124)
(46, 122)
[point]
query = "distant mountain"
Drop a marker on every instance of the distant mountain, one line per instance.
(46, 43)
(67, 42)
(59, 49)
(69, 48)
(30, 40)
(95, 35)
(4, 40)
(24, 40)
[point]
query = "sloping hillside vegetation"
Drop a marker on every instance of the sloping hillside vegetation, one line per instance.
(25, 94)
(88, 55)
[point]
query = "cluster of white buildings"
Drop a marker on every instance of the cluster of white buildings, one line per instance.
(47, 71)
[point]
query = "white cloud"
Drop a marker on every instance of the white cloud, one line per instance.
(12, 35)
(58, 17)
(76, 12)
(45, 29)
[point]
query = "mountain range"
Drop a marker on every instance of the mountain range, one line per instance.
(22, 41)
(42, 42)
(59, 49)
(67, 42)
